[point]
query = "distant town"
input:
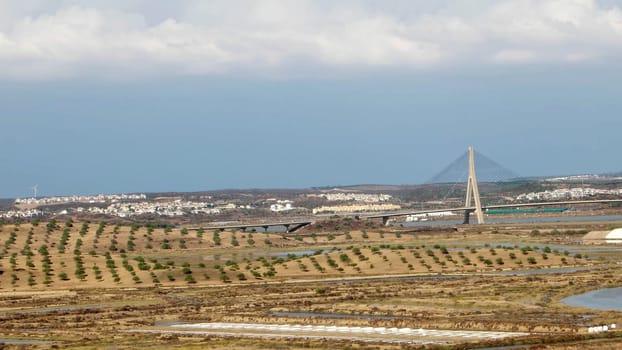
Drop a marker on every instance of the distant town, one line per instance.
(235, 205)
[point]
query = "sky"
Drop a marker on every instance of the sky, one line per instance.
(112, 96)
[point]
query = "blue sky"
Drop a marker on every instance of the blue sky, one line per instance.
(136, 96)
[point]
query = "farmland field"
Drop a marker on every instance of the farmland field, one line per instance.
(91, 284)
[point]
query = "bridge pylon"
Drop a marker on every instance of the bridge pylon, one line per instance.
(472, 191)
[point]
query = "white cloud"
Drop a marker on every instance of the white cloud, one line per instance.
(514, 56)
(578, 57)
(125, 39)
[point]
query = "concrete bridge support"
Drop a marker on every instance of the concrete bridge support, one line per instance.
(467, 217)
(295, 227)
(473, 191)
(386, 221)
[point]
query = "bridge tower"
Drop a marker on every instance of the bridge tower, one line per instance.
(473, 191)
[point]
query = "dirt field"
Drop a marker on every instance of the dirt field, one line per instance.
(90, 285)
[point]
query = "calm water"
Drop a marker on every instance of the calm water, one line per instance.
(602, 299)
(297, 253)
(24, 341)
(521, 220)
(543, 271)
(570, 248)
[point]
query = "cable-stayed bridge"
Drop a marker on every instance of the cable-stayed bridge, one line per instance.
(457, 172)
(470, 209)
(493, 172)
(487, 170)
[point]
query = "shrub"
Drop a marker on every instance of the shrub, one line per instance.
(216, 238)
(190, 279)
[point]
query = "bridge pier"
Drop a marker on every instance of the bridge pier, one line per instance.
(265, 228)
(467, 216)
(299, 226)
(385, 220)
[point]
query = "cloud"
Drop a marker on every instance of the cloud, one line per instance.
(128, 39)
(514, 56)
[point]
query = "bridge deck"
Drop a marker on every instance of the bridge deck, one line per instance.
(286, 224)
(484, 207)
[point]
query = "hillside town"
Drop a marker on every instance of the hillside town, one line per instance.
(121, 205)
(356, 197)
(21, 214)
(355, 208)
(567, 194)
(243, 204)
(162, 208)
(100, 198)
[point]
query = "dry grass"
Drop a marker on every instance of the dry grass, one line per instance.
(91, 310)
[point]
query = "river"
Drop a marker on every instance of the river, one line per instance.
(516, 220)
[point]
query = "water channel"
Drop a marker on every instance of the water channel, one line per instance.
(24, 341)
(602, 299)
(516, 220)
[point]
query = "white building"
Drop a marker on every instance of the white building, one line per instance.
(281, 205)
